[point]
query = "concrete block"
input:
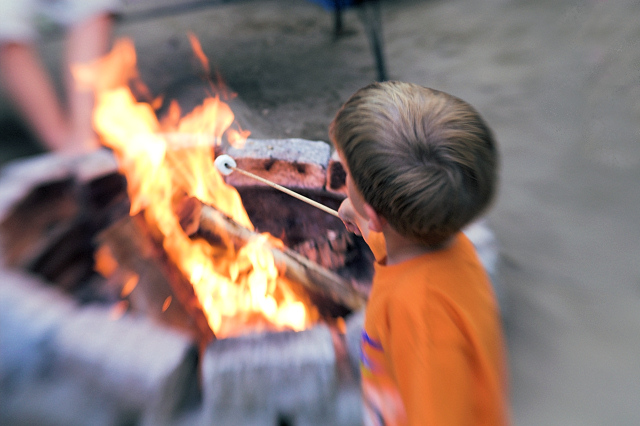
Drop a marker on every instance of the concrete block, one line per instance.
(355, 325)
(63, 364)
(488, 250)
(295, 163)
(269, 379)
(336, 176)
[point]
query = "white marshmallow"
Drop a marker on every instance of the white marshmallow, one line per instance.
(225, 164)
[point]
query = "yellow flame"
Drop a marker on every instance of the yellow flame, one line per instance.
(129, 285)
(167, 303)
(197, 50)
(166, 160)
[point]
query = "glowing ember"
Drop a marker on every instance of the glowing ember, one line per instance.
(166, 160)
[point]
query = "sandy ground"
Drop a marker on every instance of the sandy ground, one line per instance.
(559, 81)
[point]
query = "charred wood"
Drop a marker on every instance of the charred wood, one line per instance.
(159, 289)
(200, 220)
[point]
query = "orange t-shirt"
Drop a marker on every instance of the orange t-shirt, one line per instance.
(432, 350)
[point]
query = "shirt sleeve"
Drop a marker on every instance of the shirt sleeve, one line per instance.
(428, 359)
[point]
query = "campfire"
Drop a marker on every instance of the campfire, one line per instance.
(148, 227)
(239, 279)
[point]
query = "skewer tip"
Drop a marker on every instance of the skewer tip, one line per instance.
(225, 164)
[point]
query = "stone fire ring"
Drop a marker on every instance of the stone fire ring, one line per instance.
(68, 364)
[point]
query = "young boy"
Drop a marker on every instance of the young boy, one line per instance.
(421, 164)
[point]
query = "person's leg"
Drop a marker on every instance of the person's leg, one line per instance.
(30, 87)
(86, 42)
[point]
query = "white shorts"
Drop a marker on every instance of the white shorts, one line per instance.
(24, 20)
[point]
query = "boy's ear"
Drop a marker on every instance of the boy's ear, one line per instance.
(376, 222)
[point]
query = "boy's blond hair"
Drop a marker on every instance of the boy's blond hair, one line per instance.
(423, 159)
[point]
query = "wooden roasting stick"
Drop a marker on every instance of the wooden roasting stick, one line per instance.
(225, 165)
(206, 221)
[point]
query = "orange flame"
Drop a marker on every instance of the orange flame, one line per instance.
(164, 160)
(197, 50)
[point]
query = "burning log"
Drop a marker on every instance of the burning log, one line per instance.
(200, 220)
(330, 251)
(160, 291)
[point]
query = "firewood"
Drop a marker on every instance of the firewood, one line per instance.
(201, 220)
(138, 253)
(330, 251)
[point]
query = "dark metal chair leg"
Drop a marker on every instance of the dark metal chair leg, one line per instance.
(337, 9)
(369, 12)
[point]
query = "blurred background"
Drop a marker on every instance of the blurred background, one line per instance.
(558, 81)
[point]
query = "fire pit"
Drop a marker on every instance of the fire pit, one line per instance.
(119, 361)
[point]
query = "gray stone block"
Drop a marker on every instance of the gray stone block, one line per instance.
(268, 378)
(63, 364)
(336, 175)
(355, 324)
(488, 250)
(294, 163)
